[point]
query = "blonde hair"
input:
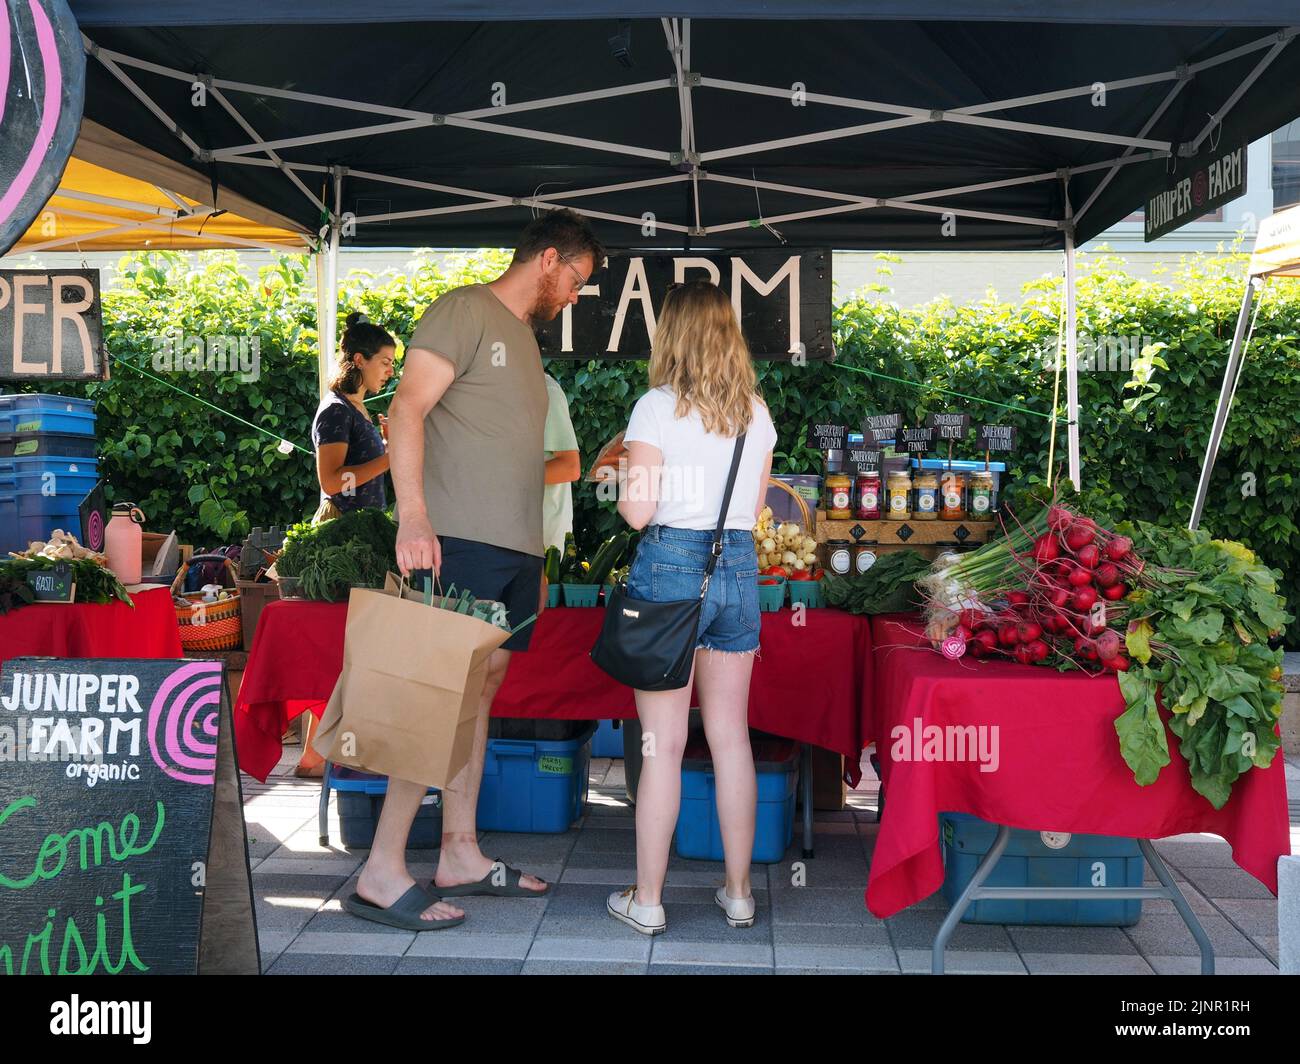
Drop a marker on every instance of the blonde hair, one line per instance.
(700, 353)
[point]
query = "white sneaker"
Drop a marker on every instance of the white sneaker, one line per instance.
(648, 919)
(740, 911)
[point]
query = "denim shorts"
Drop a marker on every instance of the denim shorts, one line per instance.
(669, 566)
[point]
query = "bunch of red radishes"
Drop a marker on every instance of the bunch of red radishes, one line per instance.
(1075, 577)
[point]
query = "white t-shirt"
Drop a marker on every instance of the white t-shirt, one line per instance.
(696, 462)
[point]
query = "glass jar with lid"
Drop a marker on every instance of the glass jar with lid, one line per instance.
(925, 504)
(898, 496)
(981, 496)
(839, 495)
(952, 493)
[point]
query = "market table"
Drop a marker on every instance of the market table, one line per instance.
(87, 630)
(1058, 768)
(812, 680)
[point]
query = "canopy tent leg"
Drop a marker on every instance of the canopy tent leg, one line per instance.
(327, 287)
(1230, 376)
(1071, 360)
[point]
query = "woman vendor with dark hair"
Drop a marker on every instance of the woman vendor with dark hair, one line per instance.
(351, 459)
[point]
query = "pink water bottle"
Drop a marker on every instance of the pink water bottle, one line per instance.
(124, 542)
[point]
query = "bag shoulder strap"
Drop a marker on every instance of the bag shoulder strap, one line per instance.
(726, 505)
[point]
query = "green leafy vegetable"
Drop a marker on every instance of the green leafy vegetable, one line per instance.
(887, 587)
(356, 549)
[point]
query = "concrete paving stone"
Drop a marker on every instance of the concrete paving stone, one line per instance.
(839, 847)
(514, 847)
(1222, 966)
(283, 918)
(1166, 935)
(333, 867)
(610, 877)
(261, 844)
(1255, 916)
(465, 941)
(627, 946)
(505, 915)
(1269, 944)
(705, 923)
(298, 890)
(674, 895)
(538, 967)
(1111, 940)
(1199, 903)
(818, 935)
(830, 816)
(271, 944)
(456, 966)
(605, 840)
(1216, 883)
(1196, 851)
(595, 924)
(344, 923)
(962, 962)
(829, 905)
(600, 860)
(669, 949)
(833, 827)
(706, 969)
(840, 958)
(376, 943)
(1088, 964)
(577, 898)
(817, 873)
(332, 964)
(915, 929)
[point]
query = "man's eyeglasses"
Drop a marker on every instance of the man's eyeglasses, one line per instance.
(582, 281)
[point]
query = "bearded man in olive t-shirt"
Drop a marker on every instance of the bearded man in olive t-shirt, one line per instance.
(466, 452)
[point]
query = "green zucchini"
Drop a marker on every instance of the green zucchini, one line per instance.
(607, 558)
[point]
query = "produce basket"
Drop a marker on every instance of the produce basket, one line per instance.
(771, 597)
(809, 592)
(208, 625)
(581, 594)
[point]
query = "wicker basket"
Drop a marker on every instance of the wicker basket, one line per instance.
(807, 522)
(209, 625)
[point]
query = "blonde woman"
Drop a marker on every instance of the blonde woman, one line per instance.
(680, 441)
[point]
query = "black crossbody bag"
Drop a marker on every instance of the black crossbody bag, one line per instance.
(650, 646)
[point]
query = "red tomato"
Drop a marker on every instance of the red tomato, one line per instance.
(801, 574)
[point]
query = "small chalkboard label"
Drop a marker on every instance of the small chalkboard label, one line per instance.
(877, 428)
(54, 584)
(917, 440)
(861, 459)
(827, 437)
(949, 426)
(997, 438)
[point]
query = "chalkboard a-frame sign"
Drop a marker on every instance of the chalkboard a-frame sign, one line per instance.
(122, 845)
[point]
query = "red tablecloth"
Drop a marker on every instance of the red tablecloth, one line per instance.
(1059, 768)
(81, 630)
(812, 682)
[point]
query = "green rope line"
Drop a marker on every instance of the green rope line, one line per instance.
(181, 391)
(949, 391)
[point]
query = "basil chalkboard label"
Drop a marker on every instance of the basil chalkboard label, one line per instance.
(997, 438)
(949, 426)
(827, 437)
(860, 459)
(54, 584)
(917, 440)
(122, 846)
(877, 428)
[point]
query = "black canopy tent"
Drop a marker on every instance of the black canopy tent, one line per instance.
(929, 125)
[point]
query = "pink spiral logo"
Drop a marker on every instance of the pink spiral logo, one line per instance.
(95, 531)
(183, 723)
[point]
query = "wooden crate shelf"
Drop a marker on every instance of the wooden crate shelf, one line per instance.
(909, 533)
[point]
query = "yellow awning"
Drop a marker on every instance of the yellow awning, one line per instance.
(99, 207)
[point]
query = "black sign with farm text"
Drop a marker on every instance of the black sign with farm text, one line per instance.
(122, 846)
(51, 326)
(1197, 185)
(782, 299)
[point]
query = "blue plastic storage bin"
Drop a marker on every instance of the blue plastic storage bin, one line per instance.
(32, 516)
(46, 413)
(62, 475)
(537, 786)
(360, 797)
(698, 832)
(1086, 861)
(608, 740)
(63, 444)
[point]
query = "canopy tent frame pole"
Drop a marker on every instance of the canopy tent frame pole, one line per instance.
(1071, 346)
(327, 310)
(1231, 375)
(175, 229)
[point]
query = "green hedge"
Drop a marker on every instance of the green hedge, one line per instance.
(1143, 428)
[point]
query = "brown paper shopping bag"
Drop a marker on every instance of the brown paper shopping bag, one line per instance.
(406, 702)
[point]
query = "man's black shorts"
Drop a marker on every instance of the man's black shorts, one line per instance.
(510, 577)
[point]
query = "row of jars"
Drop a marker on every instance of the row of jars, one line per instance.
(948, 495)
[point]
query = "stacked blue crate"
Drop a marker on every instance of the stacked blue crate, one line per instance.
(47, 466)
